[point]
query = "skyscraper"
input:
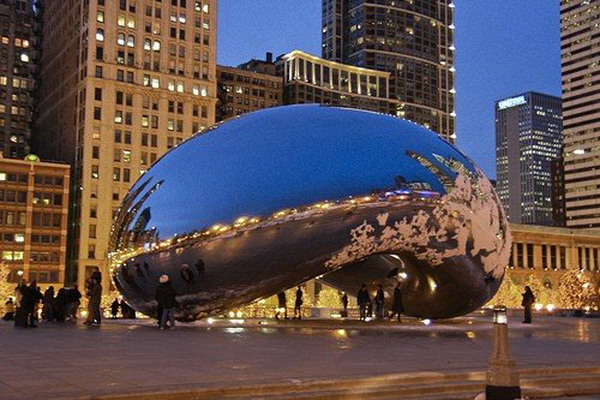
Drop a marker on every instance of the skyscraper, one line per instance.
(17, 30)
(580, 53)
(121, 83)
(412, 40)
(528, 140)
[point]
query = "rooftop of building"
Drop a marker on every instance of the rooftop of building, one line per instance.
(536, 229)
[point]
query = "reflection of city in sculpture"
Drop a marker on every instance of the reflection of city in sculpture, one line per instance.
(272, 199)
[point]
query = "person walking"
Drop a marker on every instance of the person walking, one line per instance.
(48, 309)
(9, 310)
(527, 302)
(298, 304)
(20, 311)
(345, 305)
(379, 299)
(281, 305)
(397, 306)
(166, 296)
(363, 300)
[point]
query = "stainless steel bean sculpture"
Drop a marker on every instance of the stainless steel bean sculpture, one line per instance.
(274, 198)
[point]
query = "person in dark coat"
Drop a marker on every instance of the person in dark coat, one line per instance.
(114, 309)
(397, 306)
(527, 302)
(281, 305)
(21, 311)
(345, 305)
(31, 297)
(363, 300)
(9, 310)
(379, 299)
(166, 296)
(60, 305)
(97, 275)
(48, 309)
(298, 304)
(73, 302)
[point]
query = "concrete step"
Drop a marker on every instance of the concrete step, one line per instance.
(535, 383)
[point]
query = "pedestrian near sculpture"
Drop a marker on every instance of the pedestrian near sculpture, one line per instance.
(363, 300)
(527, 303)
(397, 305)
(345, 305)
(298, 304)
(166, 296)
(379, 300)
(281, 306)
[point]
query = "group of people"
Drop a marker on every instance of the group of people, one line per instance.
(282, 304)
(365, 303)
(24, 310)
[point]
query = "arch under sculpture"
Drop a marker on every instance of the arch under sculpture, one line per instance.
(271, 199)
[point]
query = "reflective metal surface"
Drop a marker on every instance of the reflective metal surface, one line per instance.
(277, 197)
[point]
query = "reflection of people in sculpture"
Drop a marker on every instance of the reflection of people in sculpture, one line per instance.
(281, 305)
(298, 304)
(363, 300)
(528, 300)
(186, 273)
(345, 305)
(397, 306)
(200, 266)
(379, 298)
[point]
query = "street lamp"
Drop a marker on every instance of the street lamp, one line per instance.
(502, 378)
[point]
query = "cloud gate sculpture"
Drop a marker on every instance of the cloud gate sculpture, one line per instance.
(269, 200)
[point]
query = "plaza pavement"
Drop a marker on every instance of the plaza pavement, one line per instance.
(129, 357)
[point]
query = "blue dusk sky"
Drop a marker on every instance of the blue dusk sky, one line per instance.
(503, 48)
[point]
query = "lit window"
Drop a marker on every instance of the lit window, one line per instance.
(100, 16)
(121, 20)
(131, 23)
(100, 35)
(121, 39)
(25, 57)
(147, 44)
(2, 176)
(156, 45)
(19, 238)
(130, 41)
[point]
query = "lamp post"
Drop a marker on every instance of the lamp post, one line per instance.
(502, 378)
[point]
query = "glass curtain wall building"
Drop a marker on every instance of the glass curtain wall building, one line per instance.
(528, 140)
(412, 40)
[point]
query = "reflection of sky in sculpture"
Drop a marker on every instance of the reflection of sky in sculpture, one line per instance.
(237, 169)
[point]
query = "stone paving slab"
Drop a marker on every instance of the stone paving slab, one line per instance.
(58, 361)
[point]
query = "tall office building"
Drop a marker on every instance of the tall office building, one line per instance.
(412, 40)
(121, 83)
(580, 53)
(17, 31)
(528, 140)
